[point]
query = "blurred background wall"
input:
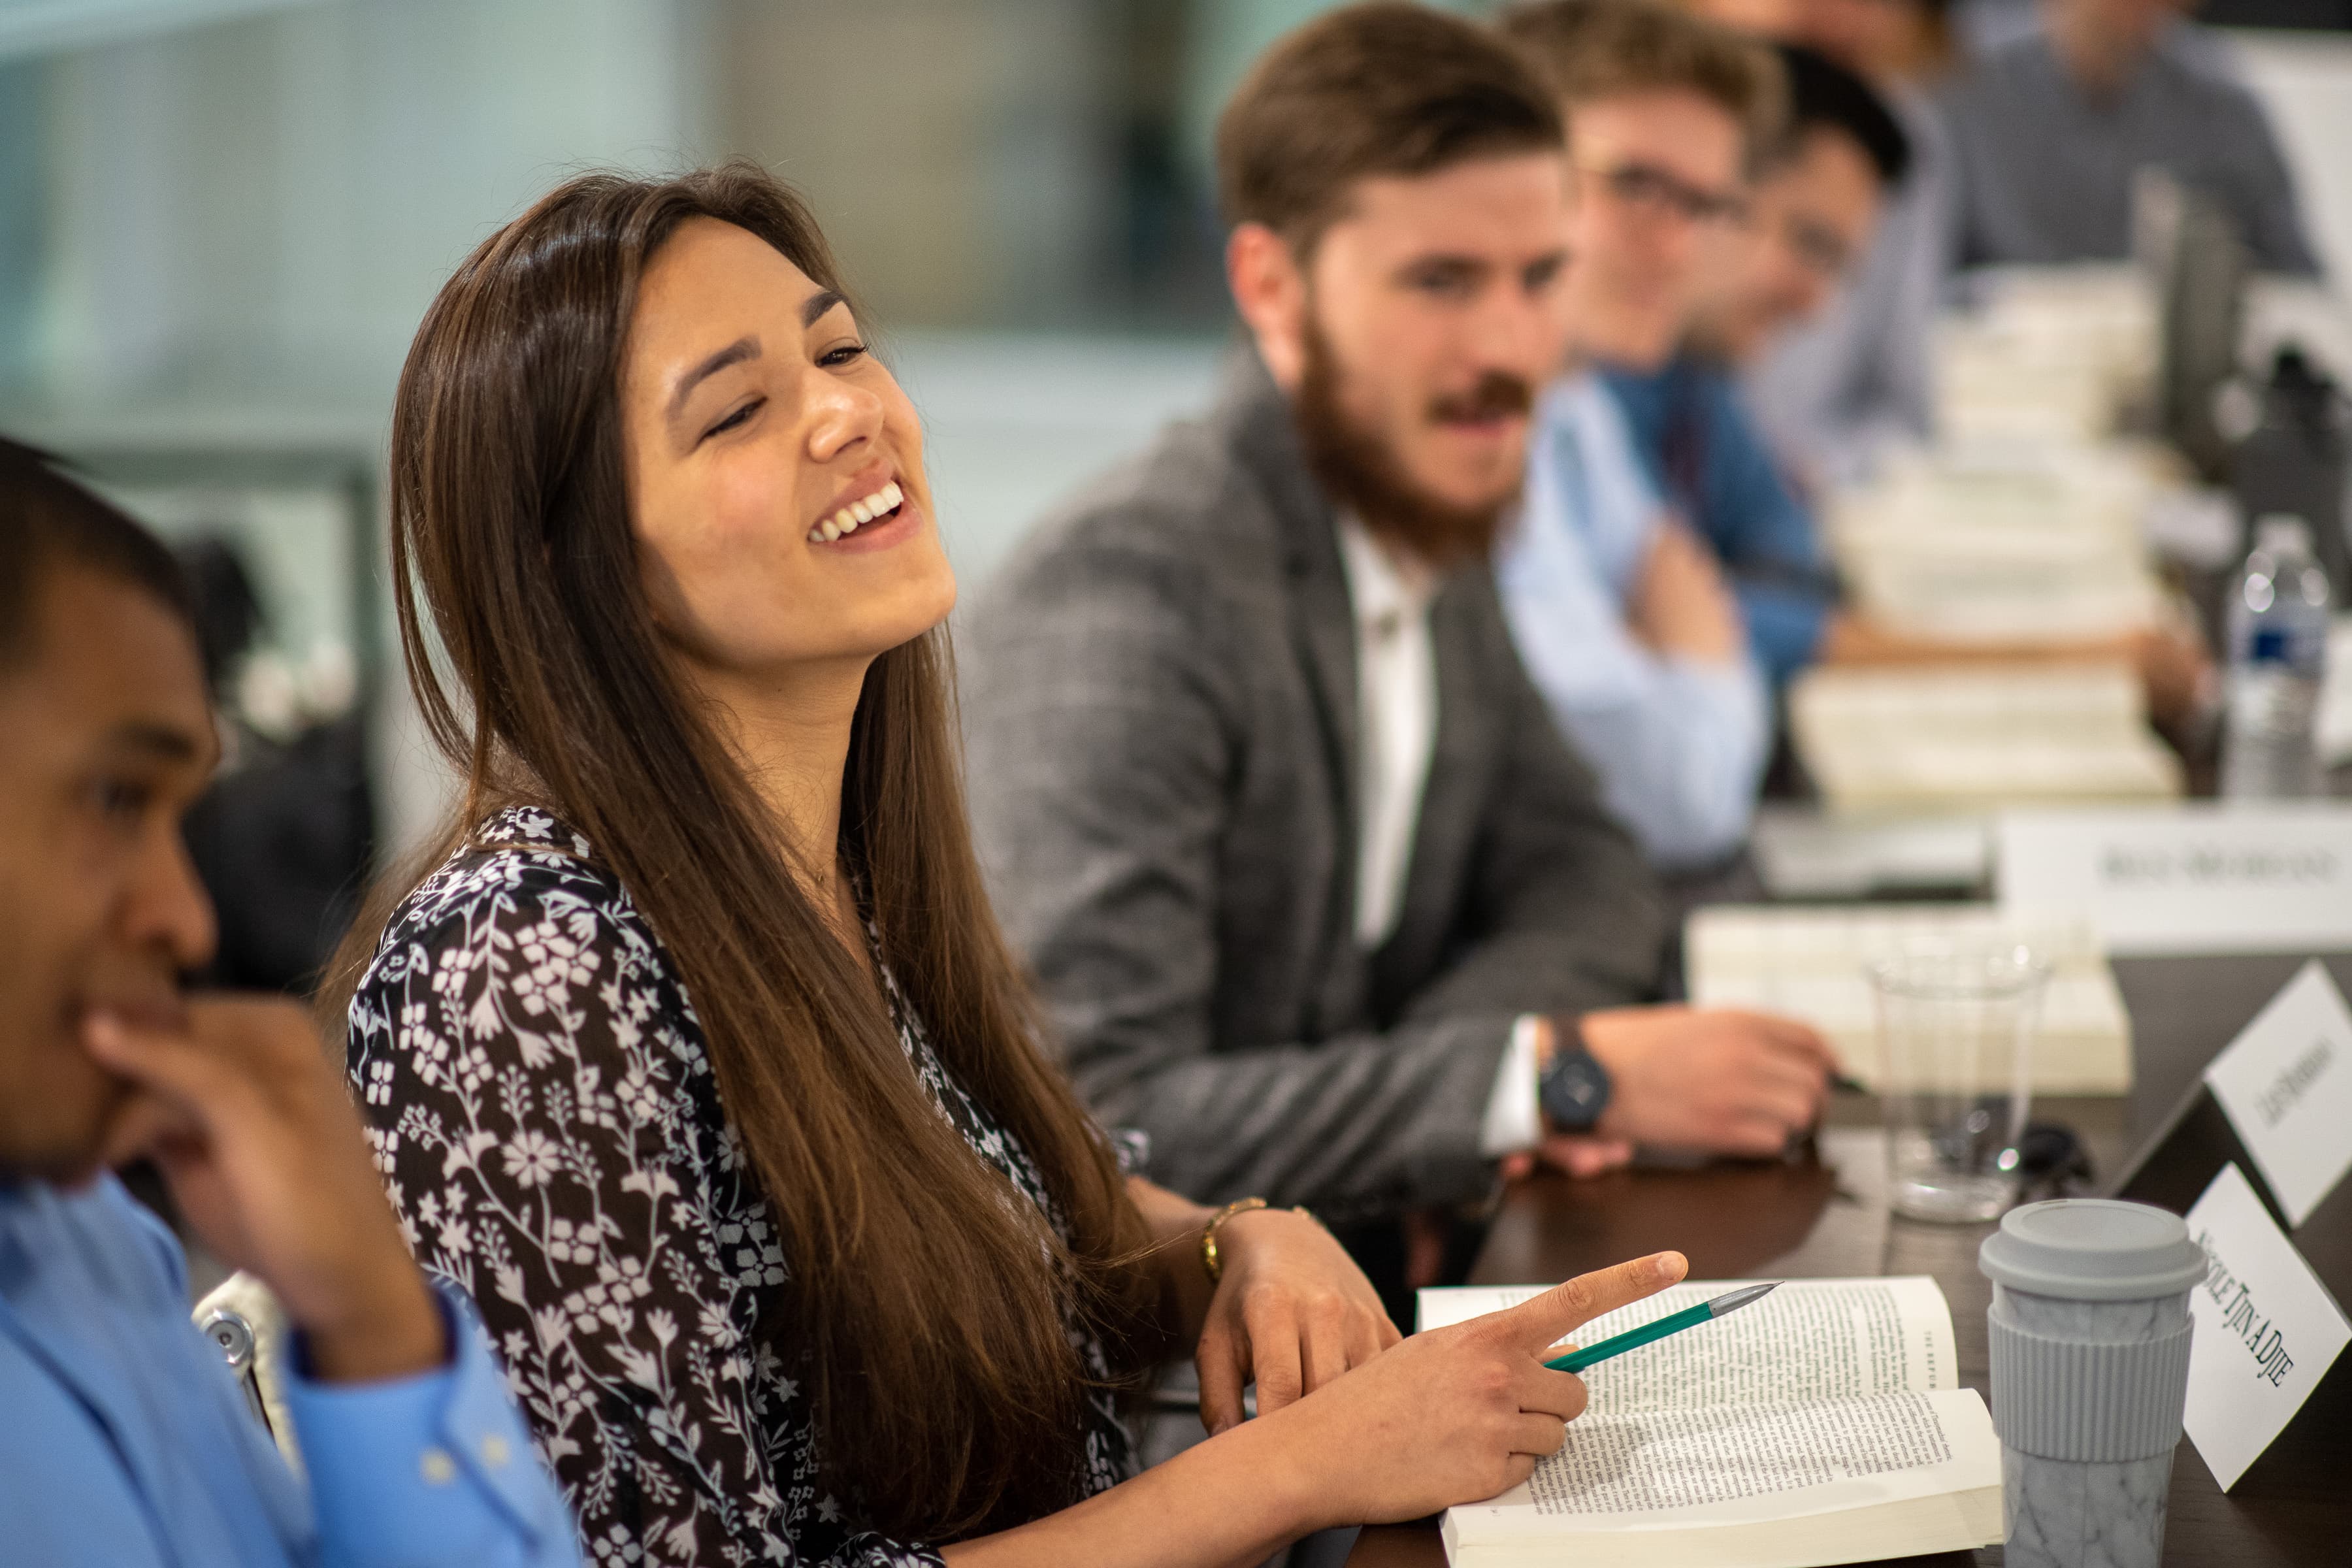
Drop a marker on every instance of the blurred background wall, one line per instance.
(221, 219)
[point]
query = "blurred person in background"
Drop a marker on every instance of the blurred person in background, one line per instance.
(1673, 371)
(283, 836)
(2048, 131)
(1835, 394)
(1619, 609)
(1816, 197)
(1315, 893)
(1819, 199)
(125, 1442)
(699, 1059)
(1623, 617)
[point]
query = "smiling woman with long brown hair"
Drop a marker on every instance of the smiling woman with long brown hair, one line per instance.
(699, 1061)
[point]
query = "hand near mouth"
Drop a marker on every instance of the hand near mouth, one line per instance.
(255, 1135)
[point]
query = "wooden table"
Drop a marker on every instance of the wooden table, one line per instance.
(1827, 1216)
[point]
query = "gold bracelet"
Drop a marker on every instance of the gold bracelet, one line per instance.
(1209, 1259)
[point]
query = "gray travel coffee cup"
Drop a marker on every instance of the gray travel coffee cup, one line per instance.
(2090, 1370)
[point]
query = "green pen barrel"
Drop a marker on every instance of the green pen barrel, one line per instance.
(1632, 1338)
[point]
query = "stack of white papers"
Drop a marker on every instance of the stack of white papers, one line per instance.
(2050, 353)
(1917, 738)
(2003, 545)
(1809, 963)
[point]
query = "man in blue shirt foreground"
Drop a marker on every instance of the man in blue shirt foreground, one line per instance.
(125, 1442)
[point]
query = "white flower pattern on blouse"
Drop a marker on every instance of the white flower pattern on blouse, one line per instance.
(542, 1109)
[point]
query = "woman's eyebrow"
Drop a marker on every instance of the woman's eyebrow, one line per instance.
(814, 308)
(736, 352)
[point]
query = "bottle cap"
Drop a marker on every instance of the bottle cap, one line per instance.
(2281, 533)
(2093, 1250)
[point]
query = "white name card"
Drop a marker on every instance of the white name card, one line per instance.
(2275, 878)
(2287, 1083)
(2267, 1329)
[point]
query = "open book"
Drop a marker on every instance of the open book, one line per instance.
(1822, 1425)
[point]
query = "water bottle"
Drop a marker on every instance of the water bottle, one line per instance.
(2278, 654)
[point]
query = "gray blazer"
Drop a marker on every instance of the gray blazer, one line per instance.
(1160, 709)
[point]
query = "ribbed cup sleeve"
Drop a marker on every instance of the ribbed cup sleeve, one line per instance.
(2075, 1399)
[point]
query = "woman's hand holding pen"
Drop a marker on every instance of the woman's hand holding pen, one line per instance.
(1291, 1310)
(1454, 1414)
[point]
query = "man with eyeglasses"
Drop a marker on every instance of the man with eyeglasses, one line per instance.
(1619, 609)
(1821, 184)
(1820, 188)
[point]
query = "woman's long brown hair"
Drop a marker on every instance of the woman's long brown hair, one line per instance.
(927, 1305)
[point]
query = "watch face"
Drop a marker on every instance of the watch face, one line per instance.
(1575, 1091)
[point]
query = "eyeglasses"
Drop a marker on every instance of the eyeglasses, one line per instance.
(1657, 190)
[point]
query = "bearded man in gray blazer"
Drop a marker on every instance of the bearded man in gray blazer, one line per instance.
(1314, 893)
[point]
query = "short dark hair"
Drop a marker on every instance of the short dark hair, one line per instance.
(1591, 50)
(1371, 89)
(1825, 96)
(47, 520)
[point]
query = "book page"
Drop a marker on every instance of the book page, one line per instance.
(1676, 1457)
(1811, 1339)
(1731, 1465)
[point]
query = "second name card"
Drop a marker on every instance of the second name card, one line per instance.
(2186, 878)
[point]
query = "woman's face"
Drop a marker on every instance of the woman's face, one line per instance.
(776, 470)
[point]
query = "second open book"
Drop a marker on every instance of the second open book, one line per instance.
(1822, 1425)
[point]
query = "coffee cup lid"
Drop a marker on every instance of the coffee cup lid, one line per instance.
(2093, 1250)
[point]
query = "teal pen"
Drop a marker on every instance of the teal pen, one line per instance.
(1672, 1323)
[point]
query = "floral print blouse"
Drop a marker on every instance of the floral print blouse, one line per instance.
(544, 1113)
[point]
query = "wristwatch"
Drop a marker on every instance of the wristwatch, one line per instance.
(1573, 1088)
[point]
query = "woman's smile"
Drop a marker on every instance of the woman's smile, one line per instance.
(902, 521)
(880, 516)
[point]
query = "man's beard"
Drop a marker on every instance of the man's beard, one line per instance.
(1360, 472)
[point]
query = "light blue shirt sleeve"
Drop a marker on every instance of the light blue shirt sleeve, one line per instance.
(431, 1469)
(1679, 746)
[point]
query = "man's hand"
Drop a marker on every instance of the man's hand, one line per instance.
(1716, 1079)
(1680, 603)
(2175, 670)
(1291, 1310)
(240, 1108)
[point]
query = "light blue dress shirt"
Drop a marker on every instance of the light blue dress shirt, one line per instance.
(124, 1442)
(1679, 745)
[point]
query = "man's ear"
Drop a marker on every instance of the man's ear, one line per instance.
(1269, 285)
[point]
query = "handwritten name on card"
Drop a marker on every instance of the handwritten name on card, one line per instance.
(2286, 1084)
(2267, 1331)
(2186, 878)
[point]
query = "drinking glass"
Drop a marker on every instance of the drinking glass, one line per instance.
(1956, 1026)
